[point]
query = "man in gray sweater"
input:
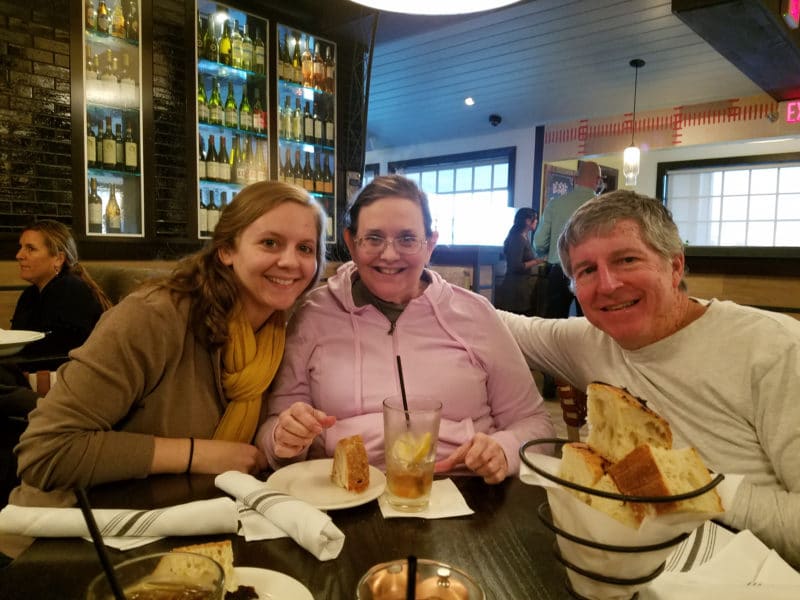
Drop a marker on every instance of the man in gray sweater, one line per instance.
(725, 376)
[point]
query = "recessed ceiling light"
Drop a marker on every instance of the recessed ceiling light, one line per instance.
(437, 7)
(469, 101)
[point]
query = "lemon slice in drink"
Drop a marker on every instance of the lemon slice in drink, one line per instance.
(409, 449)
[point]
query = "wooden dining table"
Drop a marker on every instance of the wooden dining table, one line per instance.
(503, 545)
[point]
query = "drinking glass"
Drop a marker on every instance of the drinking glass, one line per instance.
(410, 436)
(163, 576)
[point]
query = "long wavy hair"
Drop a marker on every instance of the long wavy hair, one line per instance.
(59, 240)
(210, 284)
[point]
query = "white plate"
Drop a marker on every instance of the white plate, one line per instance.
(310, 481)
(272, 585)
(14, 340)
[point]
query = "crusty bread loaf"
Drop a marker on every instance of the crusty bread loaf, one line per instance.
(649, 471)
(222, 552)
(350, 464)
(619, 422)
(581, 465)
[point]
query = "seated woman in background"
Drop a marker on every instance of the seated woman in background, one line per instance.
(171, 379)
(341, 354)
(517, 293)
(63, 300)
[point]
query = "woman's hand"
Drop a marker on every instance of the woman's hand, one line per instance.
(482, 455)
(174, 455)
(297, 427)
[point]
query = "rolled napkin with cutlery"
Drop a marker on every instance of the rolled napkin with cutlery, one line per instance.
(123, 528)
(263, 509)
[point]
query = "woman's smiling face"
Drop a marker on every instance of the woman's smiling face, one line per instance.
(388, 274)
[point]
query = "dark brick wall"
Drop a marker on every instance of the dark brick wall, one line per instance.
(35, 126)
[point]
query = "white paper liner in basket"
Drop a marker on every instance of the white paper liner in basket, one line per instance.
(583, 521)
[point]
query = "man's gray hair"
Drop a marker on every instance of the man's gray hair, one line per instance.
(599, 216)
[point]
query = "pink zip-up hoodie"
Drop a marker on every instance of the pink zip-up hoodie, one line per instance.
(341, 358)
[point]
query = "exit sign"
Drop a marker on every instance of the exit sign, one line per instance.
(790, 9)
(793, 111)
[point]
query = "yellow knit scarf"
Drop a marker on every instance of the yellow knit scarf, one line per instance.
(249, 362)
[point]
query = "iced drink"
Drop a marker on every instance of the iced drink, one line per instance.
(410, 445)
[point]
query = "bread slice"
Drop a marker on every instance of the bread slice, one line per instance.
(222, 552)
(581, 465)
(650, 471)
(619, 422)
(350, 464)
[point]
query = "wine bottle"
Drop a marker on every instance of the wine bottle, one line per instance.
(233, 157)
(241, 163)
(330, 71)
(118, 21)
(330, 129)
(297, 121)
(201, 157)
(230, 114)
(327, 176)
(260, 161)
(109, 147)
(252, 168)
(119, 143)
(319, 184)
(259, 54)
(91, 16)
(223, 161)
(223, 201)
(113, 213)
(307, 64)
(284, 60)
(246, 116)
(213, 213)
(259, 116)
(318, 67)
(286, 174)
(99, 145)
(215, 104)
(95, 206)
(236, 46)
(212, 167)
(247, 49)
(202, 102)
(224, 44)
(210, 45)
(298, 169)
(308, 125)
(103, 18)
(132, 21)
(91, 67)
(201, 35)
(308, 174)
(202, 216)
(285, 120)
(297, 70)
(131, 150)
(91, 146)
(319, 124)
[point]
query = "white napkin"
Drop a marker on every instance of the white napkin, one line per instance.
(743, 569)
(446, 501)
(265, 514)
(123, 529)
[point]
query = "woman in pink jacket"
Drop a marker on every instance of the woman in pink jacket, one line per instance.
(340, 362)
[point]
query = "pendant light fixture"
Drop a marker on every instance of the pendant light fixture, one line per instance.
(435, 7)
(631, 156)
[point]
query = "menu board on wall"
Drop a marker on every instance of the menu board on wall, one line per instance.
(557, 182)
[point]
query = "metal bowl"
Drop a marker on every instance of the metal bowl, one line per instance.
(435, 581)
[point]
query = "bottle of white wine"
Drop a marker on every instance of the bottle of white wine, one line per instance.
(95, 208)
(231, 114)
(113, 213)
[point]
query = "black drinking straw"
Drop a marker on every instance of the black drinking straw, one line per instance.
(411, 579)
(403, 389)
(83, 502)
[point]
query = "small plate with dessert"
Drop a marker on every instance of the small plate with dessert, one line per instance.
(344, 481)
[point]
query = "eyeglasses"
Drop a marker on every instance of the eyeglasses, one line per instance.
(405, 244)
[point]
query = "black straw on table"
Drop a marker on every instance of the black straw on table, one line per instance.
(83, 502)
(411, 579)
(403, 388)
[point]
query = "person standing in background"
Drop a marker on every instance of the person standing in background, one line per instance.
(545, 240)
(517, 292)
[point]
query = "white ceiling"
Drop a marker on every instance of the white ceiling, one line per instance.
(536, 62)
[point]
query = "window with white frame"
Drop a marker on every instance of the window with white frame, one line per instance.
(470, 195)
(746, 205)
